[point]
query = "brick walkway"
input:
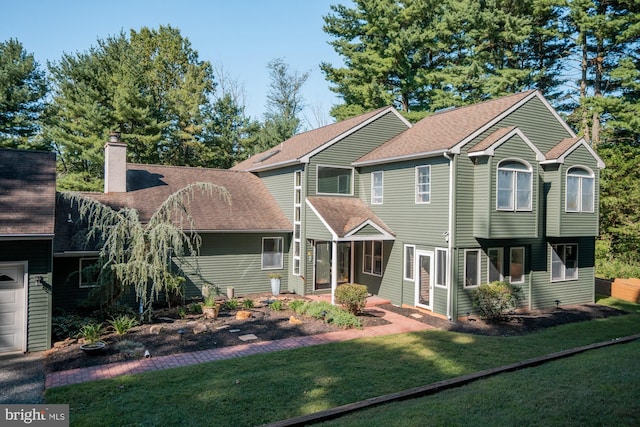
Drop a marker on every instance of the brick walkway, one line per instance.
(398, 324)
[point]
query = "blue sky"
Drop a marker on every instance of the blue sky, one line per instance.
(241, 36)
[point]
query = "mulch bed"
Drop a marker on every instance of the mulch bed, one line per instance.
(170, 334)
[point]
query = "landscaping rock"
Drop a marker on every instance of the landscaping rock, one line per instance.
(243, 315)
(156, 329)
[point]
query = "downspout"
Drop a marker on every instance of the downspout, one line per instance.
(334, 270)
(450, 238)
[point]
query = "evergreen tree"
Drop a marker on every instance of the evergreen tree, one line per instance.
(22, 91)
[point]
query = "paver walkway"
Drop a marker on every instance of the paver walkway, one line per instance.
(397, 324)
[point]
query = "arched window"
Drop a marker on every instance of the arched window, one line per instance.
(515, 186)
(580, 190)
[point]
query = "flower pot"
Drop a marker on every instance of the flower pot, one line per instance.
(210, 312)
(93, 348)
(230, 292)
(275, 286)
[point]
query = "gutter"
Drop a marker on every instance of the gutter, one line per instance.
(402, 158)
(448, 156)
(8, 237)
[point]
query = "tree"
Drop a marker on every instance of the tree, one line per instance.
(284, 104)
(22, 90)
(150, 86)
(138, 255)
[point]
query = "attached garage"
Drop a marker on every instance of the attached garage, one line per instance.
(12, 308)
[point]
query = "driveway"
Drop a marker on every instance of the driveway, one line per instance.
(22, 378)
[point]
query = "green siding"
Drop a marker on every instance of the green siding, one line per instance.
(367, 230)
(37, 254)
(233, 259)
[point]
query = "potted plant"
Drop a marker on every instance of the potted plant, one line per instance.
(275, 283)
(91, 332)
(210, 308)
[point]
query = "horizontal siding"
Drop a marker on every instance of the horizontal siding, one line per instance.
(232, 260)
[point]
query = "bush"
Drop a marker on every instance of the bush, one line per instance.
(195, 308)
(352, 297)
(297, 305)
(91, 332)
(495, 300)
(329, 313)
(231, 304)
(247, 303)
(67, 326)
(123, 324)
(276, 305)
(343, 319)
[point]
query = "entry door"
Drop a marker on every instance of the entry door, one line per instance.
(323, 265)
(12, 308)
(424, 279)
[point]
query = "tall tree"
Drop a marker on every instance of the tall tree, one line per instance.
(284, 104)
(151, 86)
(22, 91)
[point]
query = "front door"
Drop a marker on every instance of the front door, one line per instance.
(323, 264)
(12, 308)
(424, 279)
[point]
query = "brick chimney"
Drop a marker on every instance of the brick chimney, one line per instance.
(115, 164)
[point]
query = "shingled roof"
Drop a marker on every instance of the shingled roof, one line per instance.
(27, 193)
(252, 207)
(442, 131)
(558, 153)
(345, 215)
(294, 149)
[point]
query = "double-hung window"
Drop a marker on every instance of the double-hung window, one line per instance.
(423, 184)
(564, 262)
(376, 188)
(580, 190)
(272, 253)
(372, 258)
(515, 186)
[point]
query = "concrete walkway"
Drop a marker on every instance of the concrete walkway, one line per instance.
(397, 324)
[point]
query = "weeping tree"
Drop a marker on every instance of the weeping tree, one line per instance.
(137, 255)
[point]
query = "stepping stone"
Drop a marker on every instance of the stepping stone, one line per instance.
(234, 330)
(223, 327)
(416, 315)
(248, 337)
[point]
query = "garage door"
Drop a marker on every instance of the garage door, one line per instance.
(12, 306)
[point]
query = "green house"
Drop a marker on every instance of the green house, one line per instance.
(421, 214)
(27, 203)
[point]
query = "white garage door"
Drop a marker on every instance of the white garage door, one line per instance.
(12, 308)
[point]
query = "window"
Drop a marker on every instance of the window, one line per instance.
(297, 221)
(423, 184)
(372, 254)
(376, 188)
(471, 267)
(441, 267)
(515, 186)
(564, 262)
(272, 253)
(89, 270)
(495, 270)
(409, 261)
(580, 190)
(516, 267)
(334, 180)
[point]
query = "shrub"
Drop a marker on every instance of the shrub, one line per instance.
(123, 324)
(276, 305)
(318, 309)
(247, 303)
(352, 297)
(195, 308)
(495, 300)
(343, 319)
(91, 331)
(210, 301)
(231, 304)
(297, 305)
(67, 326)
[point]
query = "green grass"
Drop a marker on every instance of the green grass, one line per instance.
(264, 388)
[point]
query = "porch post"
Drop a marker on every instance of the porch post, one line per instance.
(334, 270)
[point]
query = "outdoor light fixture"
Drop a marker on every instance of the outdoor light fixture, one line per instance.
(39, 280)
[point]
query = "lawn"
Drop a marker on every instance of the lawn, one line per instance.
(269, 387)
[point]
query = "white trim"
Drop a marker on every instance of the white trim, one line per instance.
(564, 263)
(404, 263)
(581, 142)
(416, 184)
(515, 186)
(402, 158)
(351, 184)
(10, 237)
(297, 208)
(501, 258)
(524, 264)
(281, 266)
(421, 253)
(490, 151)
(591, 176)
(25, 302)
(306, 158)
(351, 234)
(373, 187)
(478, 267)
